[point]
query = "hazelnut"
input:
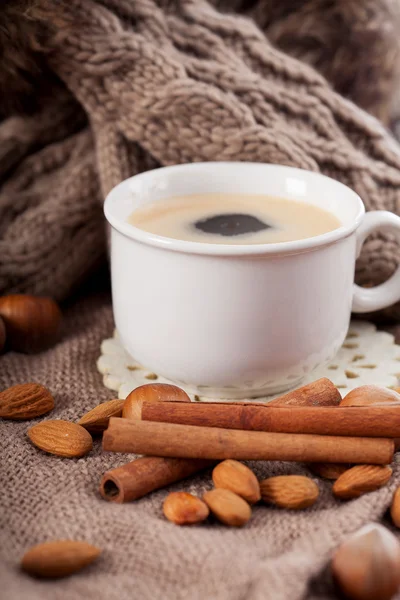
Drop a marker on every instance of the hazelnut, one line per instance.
(32, 323)
(151, 392)
(367, 565)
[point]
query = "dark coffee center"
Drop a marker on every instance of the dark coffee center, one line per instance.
(231, 224)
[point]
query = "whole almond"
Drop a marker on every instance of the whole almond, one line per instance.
(151, 392)
(329, 470)
(370, 394)
(228, 507)
(395, 508)
(62, 438)
(361, 479)
(25, 401)
(367, 566)
(58, 558)
(235, 476)
(185, 509)
(289, 491)
(96, 420)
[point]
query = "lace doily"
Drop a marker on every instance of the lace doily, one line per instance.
(367, 356)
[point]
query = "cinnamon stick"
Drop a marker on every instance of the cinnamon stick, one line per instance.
(321, 392)
(363, 421)
(188, 441)
(144, 475)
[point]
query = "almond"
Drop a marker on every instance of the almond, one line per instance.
(395, 508)
(370, 394)
(58, 558)
(151, 392)
(25, 401)
(96, 420)
(289, 491)
(235, 476)
(329, 470)
(228, 507)
(367, 566)
(185, 509)
(61, 438)
(361, 479)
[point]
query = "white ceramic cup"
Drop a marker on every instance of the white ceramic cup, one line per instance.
(235, 321)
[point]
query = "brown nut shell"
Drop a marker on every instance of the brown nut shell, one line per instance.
(32, 323)
(151, 392)
(367, 565)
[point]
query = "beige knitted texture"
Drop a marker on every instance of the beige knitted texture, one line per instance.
(162, 83)
(279, 555)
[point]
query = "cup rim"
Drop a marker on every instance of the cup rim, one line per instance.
(190, 247)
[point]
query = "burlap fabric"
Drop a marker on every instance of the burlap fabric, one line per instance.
(164, 82)
(279, 555)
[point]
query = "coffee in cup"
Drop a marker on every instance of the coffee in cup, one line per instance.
(222, 218)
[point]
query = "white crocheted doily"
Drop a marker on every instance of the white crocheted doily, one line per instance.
(367, 356)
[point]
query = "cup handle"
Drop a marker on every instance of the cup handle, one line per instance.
(386, 294)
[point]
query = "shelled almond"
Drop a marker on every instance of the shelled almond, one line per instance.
(228, 507)
(96, 420)
(62, 438)
(58, 558)
(235, 476)
(25, 401)
(185, 509)
(289, 491)
(395, 508)
(361, 479)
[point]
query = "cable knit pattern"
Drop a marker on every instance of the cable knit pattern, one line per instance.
(168, 82)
